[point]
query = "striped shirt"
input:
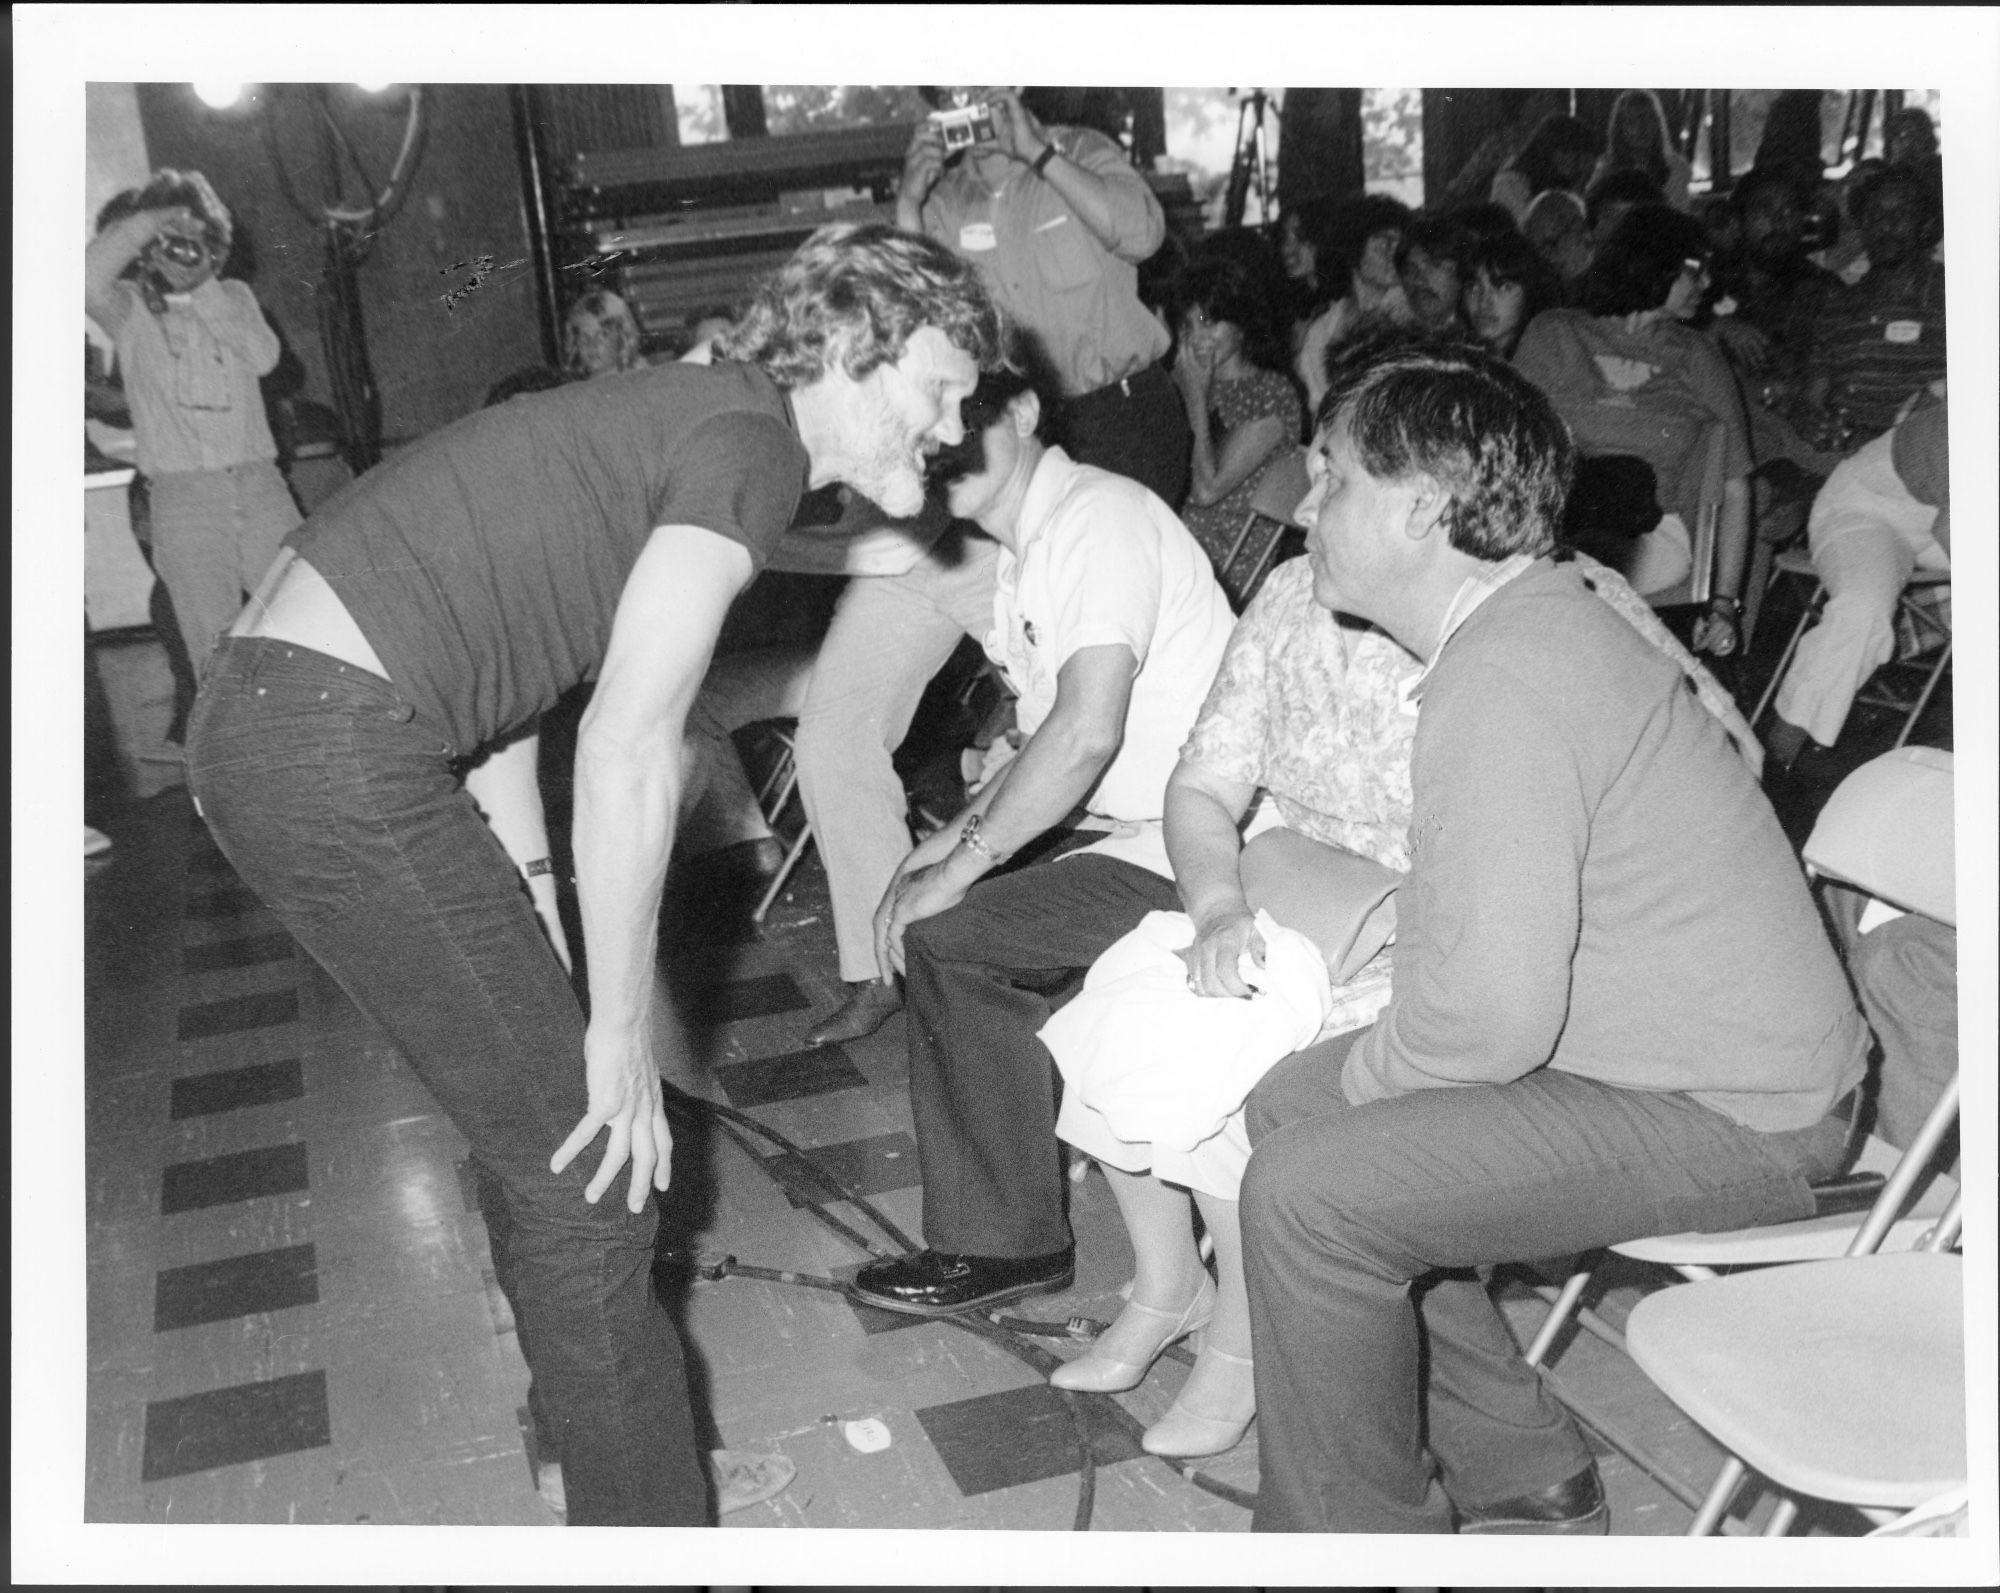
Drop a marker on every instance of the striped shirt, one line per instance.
(1880, 341)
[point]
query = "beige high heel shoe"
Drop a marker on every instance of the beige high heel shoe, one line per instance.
(1183, 1434)
(1098, 1373)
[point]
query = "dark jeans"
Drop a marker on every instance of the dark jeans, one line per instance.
(979, 982)
(1137, 428)
(339, 808)
(1378, 1350)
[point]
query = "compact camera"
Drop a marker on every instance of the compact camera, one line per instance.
(181, 249)
(965, 126)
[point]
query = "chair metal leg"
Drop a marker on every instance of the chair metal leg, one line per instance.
(1924, 696)
(1791, 647)
(1783, 1514)
(1559, 1313)
(1716, 1505)
(784, 873)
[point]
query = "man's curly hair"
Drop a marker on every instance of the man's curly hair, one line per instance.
(852, 297)
(1473, 424)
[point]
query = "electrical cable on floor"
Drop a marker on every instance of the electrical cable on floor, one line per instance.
(1015, 1335)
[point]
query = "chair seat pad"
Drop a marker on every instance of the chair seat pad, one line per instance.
(1814, 1239)
(1840, 1379)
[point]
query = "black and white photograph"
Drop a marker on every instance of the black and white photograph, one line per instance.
(1006, 834)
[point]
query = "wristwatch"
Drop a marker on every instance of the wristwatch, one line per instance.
(971, 838)
(1040, 163)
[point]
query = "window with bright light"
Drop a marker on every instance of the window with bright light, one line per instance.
(1205, 129)
(698, 111)
(817, 108)
(1392, 143)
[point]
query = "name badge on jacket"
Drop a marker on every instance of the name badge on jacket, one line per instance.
(976, 237)
(1903, 331)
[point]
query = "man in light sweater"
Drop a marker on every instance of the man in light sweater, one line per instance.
(1615, 1014)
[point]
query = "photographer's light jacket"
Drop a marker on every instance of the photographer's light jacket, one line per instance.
(1047, 270)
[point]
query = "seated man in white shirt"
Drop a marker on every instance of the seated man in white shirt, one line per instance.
(1110, 625)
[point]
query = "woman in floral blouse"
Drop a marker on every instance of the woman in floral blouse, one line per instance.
(1230, 368)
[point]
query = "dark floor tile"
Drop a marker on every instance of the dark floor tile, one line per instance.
(1021, 1435)
(233, 1089)
(755, 998)
(242, 953)
(789, 1077)
(227, 1426)
(216, 1291)
(264, 1010)
(224, 1180)
(233, 901)
(862, 1166)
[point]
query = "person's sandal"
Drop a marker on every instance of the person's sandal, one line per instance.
(1183, 1434)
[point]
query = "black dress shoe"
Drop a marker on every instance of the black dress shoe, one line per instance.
(934, 1283)
(869, 1004)
(1574, 1507)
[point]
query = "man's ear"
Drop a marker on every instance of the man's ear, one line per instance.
(1428, 503)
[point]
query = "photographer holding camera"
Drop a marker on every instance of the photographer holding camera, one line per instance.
(1058, 223)
(191, 347)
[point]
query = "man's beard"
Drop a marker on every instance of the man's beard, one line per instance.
(889, 475)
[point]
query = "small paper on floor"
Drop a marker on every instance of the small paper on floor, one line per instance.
(868, 1435)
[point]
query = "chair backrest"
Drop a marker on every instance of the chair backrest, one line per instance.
(1887, 830)
(1283, 488)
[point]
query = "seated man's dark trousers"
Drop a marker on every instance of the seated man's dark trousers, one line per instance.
(1361, 1225)
(978, 982)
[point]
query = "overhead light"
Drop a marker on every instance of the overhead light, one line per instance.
(218, 96)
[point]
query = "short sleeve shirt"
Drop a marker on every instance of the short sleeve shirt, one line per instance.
(1048, 272)
(485, 563)
(1102, 562)
(1879, 341)
(1235, 404)
(1314, 708)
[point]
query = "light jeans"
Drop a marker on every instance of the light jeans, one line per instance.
(1868, 535)
(215, 533)
(890, 635)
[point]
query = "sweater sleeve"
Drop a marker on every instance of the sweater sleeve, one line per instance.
(1490, 918)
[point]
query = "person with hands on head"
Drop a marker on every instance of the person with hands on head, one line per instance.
(1109, 623)
(1241, 403)
(192, 345)
(428, 614)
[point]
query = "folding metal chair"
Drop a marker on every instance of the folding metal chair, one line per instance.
(1888, 831)
(1915, 608)
(1840, 1380)
(1275, 505)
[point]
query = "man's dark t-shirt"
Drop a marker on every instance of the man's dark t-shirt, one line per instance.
(484, 564)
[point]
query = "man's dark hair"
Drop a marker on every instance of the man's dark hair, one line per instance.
(1473, 424)
(1555, 135)
(1344, 237)
(1876, 183)
(1634, 269)
(1240, 281)
(1441, 234)
(1512, 261)
(1759, 180)
(1625, 186)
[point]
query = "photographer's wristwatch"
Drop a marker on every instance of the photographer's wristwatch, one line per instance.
(1040, 164)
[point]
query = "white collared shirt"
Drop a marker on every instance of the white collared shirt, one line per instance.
(1102, 561)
